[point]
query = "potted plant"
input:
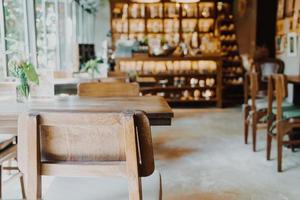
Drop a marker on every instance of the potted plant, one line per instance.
(92, 67)
(26, 74)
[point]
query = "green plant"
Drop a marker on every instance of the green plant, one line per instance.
(92, 67)
(26, 73)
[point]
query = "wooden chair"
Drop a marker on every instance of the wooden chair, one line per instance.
(108, 89)
(8, 147)
(86, 145)
(255, 108)
(8, 135)
(282, 118)
(118, 75)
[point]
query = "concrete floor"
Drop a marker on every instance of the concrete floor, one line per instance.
(202, 156)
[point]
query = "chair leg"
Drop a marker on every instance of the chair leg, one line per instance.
(22, 186)
(0, 181)
(33, 188)
(254, 130)
(246, 125)
(292, 146)
(279, 152)
(246, 131)
(269, 146)
(135, 188)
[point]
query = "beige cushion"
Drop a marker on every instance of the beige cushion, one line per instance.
(6, 140)
(105, 188)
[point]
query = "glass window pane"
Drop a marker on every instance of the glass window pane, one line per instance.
(2, 54)
(40, 31)
(62, 32)
(14, 29)
(51, 35)
(46, 28)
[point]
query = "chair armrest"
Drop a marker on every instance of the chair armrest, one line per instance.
(146, 165)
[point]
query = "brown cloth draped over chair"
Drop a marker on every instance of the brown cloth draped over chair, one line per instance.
(86, 144)
(255, 108)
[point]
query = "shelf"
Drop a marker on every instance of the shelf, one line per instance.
(214, 57)
(191, 101)
(175, 88)
(177, 74)
(234, 85)
(233, 76)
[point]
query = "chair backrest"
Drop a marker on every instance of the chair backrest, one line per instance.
(256, 81)
(277, 89)
(108, 89)
(82, 137)
(117, 74)
(267, 67)
(95, 137)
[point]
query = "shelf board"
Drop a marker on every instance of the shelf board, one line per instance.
(177, 74)
(214, 57)
(234, 85)
(175, 88)
(233, 75)
(190, 101)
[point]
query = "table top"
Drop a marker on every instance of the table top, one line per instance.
(295, 79)
(156, 108)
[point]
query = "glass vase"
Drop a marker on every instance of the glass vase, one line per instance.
(22, 93)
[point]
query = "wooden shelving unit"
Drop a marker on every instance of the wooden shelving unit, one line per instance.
(233, 71)
(174, 23)
(200, 83)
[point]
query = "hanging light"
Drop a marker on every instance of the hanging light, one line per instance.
(146, 1)
(185, 1)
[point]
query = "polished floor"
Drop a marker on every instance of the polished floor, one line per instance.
(202, 156)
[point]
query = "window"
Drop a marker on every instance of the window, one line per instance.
(46, 32)
(14, 30)
(59, 25)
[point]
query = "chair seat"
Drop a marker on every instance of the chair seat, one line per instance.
(288, 112)
(291, 112)
(262, 103)
(6, 140)
(103, 188)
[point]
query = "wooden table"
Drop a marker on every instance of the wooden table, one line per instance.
(294, 79)
(157, 109)
(69, 85)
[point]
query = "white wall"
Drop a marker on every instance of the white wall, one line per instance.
(292, 64)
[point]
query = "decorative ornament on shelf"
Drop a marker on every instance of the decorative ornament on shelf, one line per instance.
(26, 73)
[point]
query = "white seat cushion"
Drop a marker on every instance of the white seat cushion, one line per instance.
(260, 103)
(105, 188)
